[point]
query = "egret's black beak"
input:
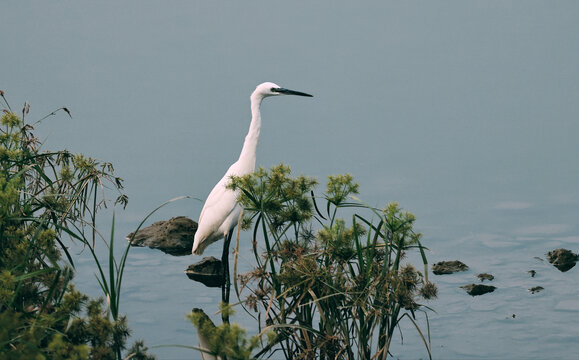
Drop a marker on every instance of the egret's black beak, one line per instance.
(290, 92)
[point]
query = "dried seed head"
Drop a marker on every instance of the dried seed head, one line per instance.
(429, 291)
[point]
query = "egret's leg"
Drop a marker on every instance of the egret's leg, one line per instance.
(225, 288)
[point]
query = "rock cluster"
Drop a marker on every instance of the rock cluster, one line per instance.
(174, 236)
(448, 267)
(562, 259)
(478, 289)
(208, 271)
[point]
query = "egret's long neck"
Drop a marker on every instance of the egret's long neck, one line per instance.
(247, 156)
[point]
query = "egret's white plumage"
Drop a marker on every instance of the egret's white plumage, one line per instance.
(221, 210)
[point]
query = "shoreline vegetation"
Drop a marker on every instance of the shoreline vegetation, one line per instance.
(329, 280)
(46, 196)
(320, 287)
(335, 292)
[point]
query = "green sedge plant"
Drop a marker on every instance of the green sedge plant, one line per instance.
(46, 197)
(327, 287)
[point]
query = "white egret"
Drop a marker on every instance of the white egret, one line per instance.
(221, 210)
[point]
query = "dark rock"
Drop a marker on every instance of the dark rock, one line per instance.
(478, 289)
(562, 259)
(532, 272)
(448, 267)
(204, 326)
(174, 236)
(208, 271)
(485, 276)
(536, 289)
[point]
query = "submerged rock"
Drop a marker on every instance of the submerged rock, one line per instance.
(208, 271)
(485, 276)
(536, 289)
(174, 236)
(448, 267)
(562, 259)
(478, 289)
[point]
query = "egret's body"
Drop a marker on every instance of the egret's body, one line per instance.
(221, 210)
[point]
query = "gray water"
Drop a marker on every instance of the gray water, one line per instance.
(466, 113)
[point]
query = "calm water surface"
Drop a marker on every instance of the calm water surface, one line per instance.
(508, 323)
(466, 113)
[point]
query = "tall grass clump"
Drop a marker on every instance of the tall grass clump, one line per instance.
(46, 197)
(328, 287)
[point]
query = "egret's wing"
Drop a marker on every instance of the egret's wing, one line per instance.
(219, 203)
(215, 219)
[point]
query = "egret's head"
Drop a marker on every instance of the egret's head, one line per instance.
(270, 89)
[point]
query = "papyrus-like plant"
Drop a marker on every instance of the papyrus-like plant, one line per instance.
(329, 288)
